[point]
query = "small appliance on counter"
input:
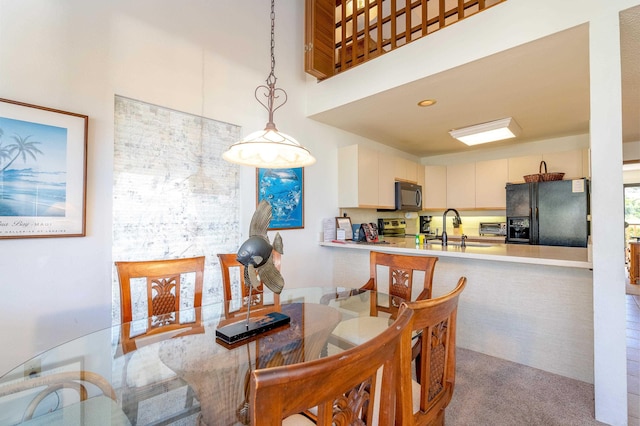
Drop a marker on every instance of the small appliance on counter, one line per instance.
(393, 227)
(425, 224)
(493, 228)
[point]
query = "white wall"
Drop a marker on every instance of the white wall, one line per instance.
(197, 56)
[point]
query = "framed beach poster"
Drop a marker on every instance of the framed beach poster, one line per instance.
(284, 190)
(43, 155)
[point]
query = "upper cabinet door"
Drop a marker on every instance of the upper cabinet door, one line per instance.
(568, 162)
(434, 190)
(461, 186)
(522, 166)
(491, 177)
(319, 46)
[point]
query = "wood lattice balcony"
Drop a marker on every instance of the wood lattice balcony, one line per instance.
(332, 29)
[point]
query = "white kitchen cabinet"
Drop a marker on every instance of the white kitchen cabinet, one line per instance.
(434, 189)
(461, 186)
(491, 178)
(574, 164)
(358, 176)
(521, 166)
(405, 170)
(568, 162)
(386, 183)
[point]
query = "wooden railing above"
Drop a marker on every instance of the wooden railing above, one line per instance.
(332, 29)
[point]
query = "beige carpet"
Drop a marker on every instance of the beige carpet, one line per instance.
(495, 392)
(489, 392)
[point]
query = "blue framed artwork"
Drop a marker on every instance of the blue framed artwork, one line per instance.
(284, 190)
(42, 171)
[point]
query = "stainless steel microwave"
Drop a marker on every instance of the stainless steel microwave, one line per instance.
(408, 196)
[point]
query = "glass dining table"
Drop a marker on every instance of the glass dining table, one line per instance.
(213, 375)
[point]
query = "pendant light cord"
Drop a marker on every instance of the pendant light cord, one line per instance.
(272, 76)
(270, 91)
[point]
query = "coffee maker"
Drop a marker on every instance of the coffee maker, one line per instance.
(425, 225)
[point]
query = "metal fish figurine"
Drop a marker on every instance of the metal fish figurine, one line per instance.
(255, 253)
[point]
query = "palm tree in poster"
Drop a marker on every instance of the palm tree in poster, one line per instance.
(20, 148)
(5, 154)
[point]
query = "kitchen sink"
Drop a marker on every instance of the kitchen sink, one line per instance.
(457, 243)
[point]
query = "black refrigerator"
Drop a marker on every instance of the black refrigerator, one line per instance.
(554, 213)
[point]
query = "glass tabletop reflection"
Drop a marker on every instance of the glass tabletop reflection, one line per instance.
(156, 376)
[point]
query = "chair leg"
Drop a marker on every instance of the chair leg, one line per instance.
(130, 407)
(190, 397)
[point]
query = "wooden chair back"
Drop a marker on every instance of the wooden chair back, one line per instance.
(229, 262)
(164, 280)
(435, 354)
(347, 388)
(400, 277)
(76, 380)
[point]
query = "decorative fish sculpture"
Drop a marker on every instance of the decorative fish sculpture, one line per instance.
(255, 252)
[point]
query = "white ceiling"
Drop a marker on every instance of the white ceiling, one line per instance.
(543, 85)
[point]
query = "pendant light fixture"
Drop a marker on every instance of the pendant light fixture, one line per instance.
(269, 148)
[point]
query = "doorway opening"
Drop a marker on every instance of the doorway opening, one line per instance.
(631, 212)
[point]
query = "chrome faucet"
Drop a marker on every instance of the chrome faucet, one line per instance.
(444, 223)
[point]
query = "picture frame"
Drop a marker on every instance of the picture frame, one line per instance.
(344, 223)
(43, 171)
(284, 190)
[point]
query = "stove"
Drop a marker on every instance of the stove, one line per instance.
(394, 227)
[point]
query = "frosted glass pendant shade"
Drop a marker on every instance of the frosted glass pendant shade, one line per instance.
(269, 149)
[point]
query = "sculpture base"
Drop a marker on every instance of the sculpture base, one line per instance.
(238, 331)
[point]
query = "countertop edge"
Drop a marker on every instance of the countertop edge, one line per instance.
(471, 253)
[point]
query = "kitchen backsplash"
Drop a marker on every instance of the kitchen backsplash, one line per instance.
(470, 223)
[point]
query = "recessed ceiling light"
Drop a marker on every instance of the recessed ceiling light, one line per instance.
(426, 102)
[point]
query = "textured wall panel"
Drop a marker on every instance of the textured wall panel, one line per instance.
(173, 194)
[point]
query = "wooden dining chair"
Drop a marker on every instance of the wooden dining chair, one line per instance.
(393, 276)
(233, 277)
(435, 355)
(365, 385)
(160, 284)
(93, 393)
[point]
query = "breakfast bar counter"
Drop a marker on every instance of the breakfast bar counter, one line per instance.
(529, 304)
(479, 249)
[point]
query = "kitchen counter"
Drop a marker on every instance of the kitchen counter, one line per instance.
(480, 248)
(528, 304)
